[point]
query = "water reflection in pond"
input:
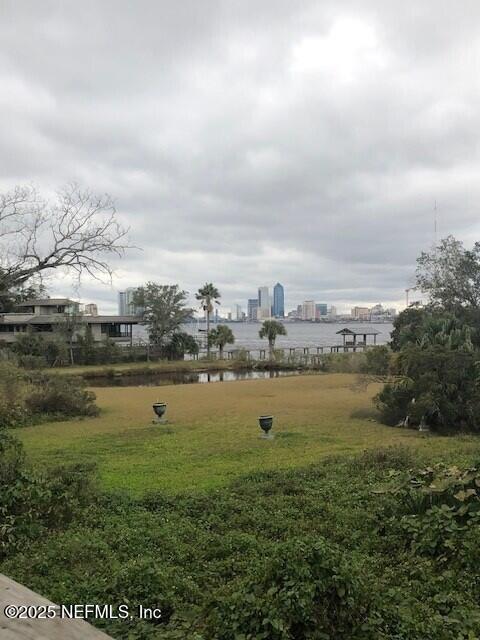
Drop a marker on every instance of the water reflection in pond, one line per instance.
(160, 379)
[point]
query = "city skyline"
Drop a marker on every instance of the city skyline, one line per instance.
(343, 307)
(331, 158)
(274, 307)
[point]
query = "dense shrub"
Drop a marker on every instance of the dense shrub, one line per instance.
(437, 384)
(308, 589)
(38, 350)
(436, 514)
(60, 396)
(179, 344)
(31, 504)
(398, 457)
(30, 398)
(13, 392)
(377, 361)
(343, 362)
(343, 549)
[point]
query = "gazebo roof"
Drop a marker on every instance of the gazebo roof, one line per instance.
(358, 331)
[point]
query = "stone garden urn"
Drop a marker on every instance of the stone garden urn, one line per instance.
(159, 408)
(266, 423)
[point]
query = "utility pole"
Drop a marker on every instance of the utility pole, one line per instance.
(406, 294)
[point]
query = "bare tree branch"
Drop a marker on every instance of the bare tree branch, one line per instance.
(78, 232)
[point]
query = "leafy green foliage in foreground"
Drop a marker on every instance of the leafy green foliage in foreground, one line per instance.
(359, 549)
(28, 399)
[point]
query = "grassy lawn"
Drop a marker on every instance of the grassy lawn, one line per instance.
(213, 434)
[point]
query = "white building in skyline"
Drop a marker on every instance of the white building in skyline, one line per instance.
(264, 311)
(308, 310)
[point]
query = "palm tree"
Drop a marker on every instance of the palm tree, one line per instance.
(220, 336)
(208, 294)
(270, 330)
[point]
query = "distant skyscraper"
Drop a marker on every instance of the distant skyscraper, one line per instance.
(320, 310)
(122, 303)
(264, 305)
(237, 312)
(308, 310)
(125, 303)
(252, 309)
(278, 301)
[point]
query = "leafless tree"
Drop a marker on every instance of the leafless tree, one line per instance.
(78, 231)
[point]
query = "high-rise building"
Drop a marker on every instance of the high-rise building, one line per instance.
(332, 312)
(237, 312)
(278, 301)
(264, 304)
(308, 310)
(320, 310)
(122, 303)
(252, 309)
(125, 303)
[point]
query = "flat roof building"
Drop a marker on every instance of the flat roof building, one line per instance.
(47, 314)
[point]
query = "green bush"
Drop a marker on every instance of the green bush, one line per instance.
(32, 362)
(13, 391)
(434, 383)
(382, 458)
(437, 513)
(343, 362)
(377, 361)
(31, 504)
(308, 589)
(60, 396)
(322, 552)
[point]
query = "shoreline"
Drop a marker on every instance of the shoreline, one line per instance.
(89, 372)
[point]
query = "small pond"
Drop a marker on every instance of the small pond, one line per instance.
(169, 378)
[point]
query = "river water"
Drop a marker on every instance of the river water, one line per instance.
(299, 334)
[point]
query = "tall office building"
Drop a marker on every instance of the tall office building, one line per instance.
(264, 304)
(278, 301)
(252, 309)
(125, 303)
(122, 303)
(237, 312)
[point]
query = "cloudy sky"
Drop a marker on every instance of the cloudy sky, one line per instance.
(247, 142)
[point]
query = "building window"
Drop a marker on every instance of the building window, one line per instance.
(117, 330)
(7, 328)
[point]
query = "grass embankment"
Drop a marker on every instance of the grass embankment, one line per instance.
(95, 371)
(136, 368)
(213, 434)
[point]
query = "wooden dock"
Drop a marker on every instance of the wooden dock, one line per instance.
(13, 593)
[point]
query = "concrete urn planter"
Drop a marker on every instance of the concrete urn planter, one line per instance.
(266, 423)
(159, 409)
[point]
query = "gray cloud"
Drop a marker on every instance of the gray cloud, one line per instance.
(251, 142)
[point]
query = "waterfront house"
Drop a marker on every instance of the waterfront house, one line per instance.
(46, 314)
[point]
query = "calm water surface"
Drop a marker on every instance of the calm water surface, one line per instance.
(163, 379)
(299, 334)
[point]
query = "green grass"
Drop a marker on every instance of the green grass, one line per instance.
(213, 435)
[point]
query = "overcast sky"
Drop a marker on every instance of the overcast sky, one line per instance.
(251, 142)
